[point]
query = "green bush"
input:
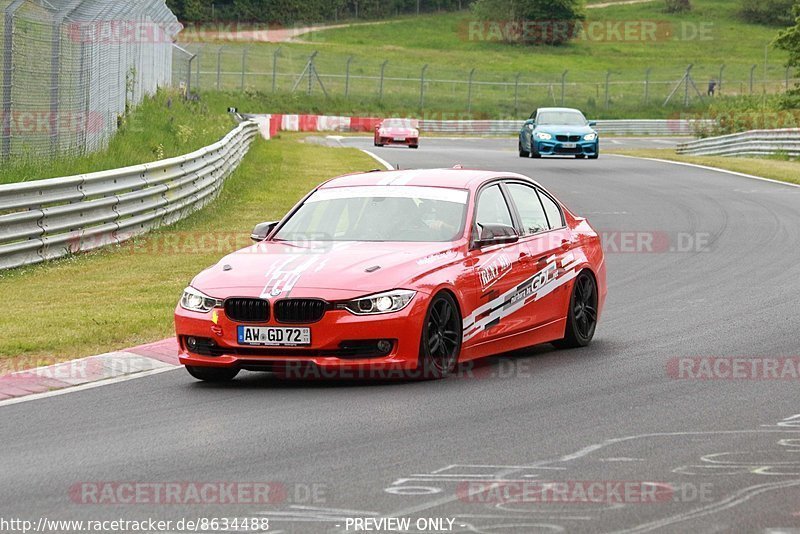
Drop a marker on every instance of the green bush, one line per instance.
(769, 12)
(739, 114)
(537, 22)
(678, 6)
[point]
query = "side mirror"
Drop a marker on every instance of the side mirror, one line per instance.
(262, 230)
(593, 123)
(496, 234)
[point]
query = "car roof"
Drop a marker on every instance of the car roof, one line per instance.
(559, 109)
(452, 178)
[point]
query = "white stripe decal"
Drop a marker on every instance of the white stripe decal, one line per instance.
(534, 288)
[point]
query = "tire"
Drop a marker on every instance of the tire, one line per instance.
(534, 153)
(596, 154)
(580, 156)
(413, 146)
(440, 344)
(522, 153)
(582, 314)
(213, 374)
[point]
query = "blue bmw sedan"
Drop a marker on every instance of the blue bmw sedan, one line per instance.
(558, 132)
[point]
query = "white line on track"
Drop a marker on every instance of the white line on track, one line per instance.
(88, 385)
(707, 168)
(379, 159)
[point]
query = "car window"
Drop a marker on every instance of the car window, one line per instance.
(554, 215)
(529, 207)
(561, 118)
(378, 213)
(492, 207)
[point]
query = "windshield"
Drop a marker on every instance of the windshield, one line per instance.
(399, 123)
(379, 213)
(566, 118)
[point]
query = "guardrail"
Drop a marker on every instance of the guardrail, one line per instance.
(750, 143)
(607, 127)
(47, 219)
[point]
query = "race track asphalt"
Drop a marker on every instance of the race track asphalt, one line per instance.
(723, 282)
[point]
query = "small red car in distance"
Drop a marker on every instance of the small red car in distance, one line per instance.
(397, 274)
(397, 132)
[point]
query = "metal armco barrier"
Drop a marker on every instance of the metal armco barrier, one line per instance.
(46, 219)
(751, 143)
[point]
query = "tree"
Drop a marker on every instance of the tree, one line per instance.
(550, 22)
(789, 40)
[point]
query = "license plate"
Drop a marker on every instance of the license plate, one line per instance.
(399, 139)
(273, 335)
(569, 145)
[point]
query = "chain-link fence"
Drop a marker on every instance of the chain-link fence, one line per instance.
(72, 67)
(438, 88)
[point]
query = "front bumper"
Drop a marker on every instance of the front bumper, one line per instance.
(330, 351)
(559, 148)
(408, 141)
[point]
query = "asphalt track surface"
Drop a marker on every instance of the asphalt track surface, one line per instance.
(730, 449)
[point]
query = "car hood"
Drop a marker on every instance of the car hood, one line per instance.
(565, 130)
(341, 269)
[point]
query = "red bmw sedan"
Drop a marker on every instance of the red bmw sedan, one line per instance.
(397, 273)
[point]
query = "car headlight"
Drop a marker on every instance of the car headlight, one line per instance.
(387, 302)
(196, 301)
(590, 137)
(543, 136)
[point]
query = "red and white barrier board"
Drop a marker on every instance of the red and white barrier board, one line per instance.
(274, 123)
(271, 124)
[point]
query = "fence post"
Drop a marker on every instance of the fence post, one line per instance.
(608, 78)
(189, 76)
(275, 55)
(219, 66)
(516, 93)
(787, 77)
(8, 69)
(311, 73)
(199, 59)
(469, 91)
(380, 88)
(721, 71)
(563, 85)
(752, 77)
(244, 64)
(347, 77)
(55, 57)
(422, 86)
(647, 86)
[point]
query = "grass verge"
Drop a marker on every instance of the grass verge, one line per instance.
(116, 298)
(163, 126)
(773, 168)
